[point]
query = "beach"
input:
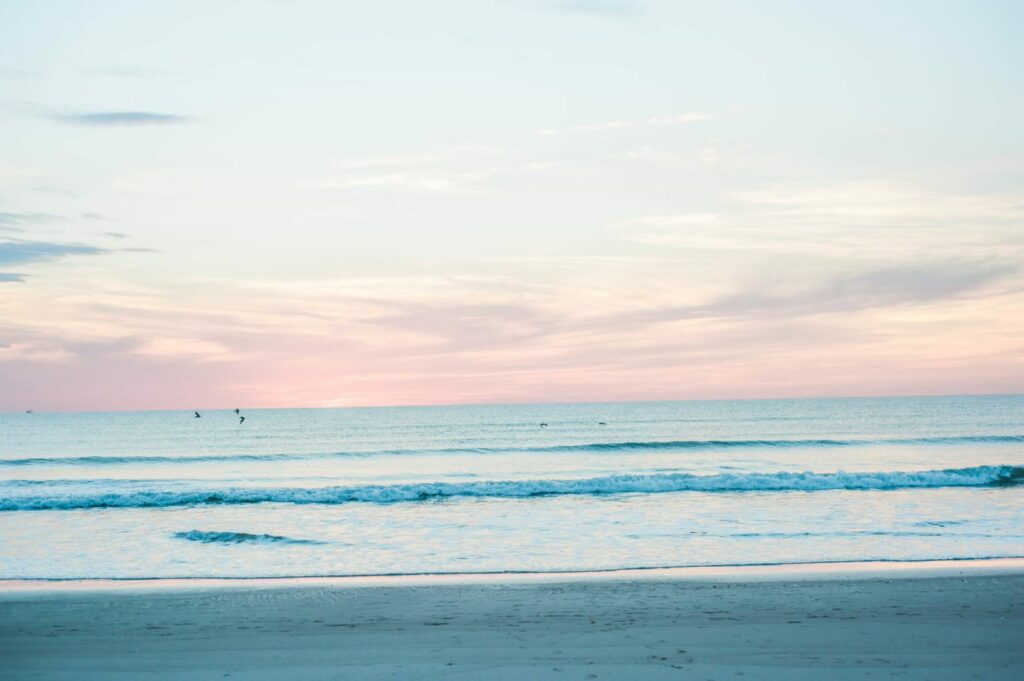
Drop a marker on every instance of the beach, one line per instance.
(937, 620)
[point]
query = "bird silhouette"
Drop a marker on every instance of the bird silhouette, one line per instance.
(197, 415)
(236, 411)
(241, 419)
(543, 425)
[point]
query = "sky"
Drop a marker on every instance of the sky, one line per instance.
(307, 204)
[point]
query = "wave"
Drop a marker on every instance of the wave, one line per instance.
(239, 538)
(640, 445)
(977, 476)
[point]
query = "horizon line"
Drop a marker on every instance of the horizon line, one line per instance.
(521, 404)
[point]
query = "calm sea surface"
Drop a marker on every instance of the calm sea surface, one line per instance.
(489, 488)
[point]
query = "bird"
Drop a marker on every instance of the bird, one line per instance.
(543, 425)
(197, 415)
(236, 411)
(241, 419)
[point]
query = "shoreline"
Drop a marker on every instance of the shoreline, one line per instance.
(735, 573)
(929, 621)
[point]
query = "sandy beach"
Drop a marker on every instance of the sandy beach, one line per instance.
(958, 620)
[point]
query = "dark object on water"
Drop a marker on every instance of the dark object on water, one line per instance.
(543, 425)
(241, 419)
(236, 410)
(601, 423)
(197, 415)
(29, 411)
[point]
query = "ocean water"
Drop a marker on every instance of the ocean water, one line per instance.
(297, 492)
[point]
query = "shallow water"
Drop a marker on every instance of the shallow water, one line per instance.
(487, 488)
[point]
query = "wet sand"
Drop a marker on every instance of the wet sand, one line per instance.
(958, 621)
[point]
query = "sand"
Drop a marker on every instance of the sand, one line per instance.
(833, 622)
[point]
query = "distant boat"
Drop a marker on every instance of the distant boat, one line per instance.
(29, 411)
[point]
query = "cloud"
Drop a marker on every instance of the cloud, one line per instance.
(199, 349)
(422, 181)
(106, 374)
(656, 121)
(16, 222)
(612, 7)
(55, 191)
(870, 202)
(31, 352)
(30, 252)
(873, 288)
(880, 287)
(864, 219)
(468, 326)
(128, 73)
(425, 157)
(119, 119)
(450, 170)
(631, 328)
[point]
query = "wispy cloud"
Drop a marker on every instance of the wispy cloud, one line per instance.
(178, 347)
(422, 157)
(32, 252)
(873, 201)
(18, 222)
(868, 289)
(447, 170)
(31, 352)
(657, 121)
(849, 220)
(119, 119)
(613, 7)
(25, 252)
(463, 326)
(128, 72)
(585, 330)
(423, 181)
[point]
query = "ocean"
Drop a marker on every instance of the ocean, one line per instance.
(501, 488)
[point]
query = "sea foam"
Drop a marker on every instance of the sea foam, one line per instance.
(141, 497)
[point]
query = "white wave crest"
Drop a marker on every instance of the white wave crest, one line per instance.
(978, 476)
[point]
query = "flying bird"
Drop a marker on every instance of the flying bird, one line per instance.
(241, 419)
(197, 415)
(236, 411)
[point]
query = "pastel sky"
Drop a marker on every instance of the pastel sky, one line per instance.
(282, 203)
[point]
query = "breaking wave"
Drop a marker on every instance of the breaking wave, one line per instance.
(239, 538)
(644, 445)
(977, 476)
